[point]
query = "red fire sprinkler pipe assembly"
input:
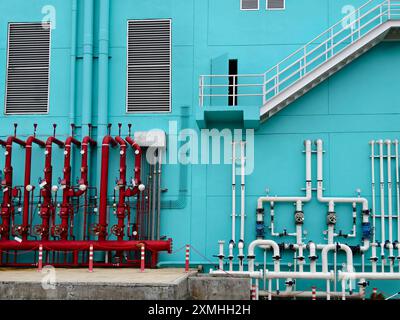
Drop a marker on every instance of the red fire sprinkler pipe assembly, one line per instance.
(101, 229)
(7, 208)
(67, 209)
(121, 185)
(23, 230)
(47, 209)
(47, 205)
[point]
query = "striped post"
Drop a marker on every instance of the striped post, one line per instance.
(91, 258)
(142, 258)
(40, 263)
(187, 258)
(253, 292)
(314, 293)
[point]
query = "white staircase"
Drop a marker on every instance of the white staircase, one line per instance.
(356, 35)
(317, 60)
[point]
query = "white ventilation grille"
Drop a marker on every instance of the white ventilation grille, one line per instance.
(149, 66)
(28, 61)
(275, 4)
(249, 4)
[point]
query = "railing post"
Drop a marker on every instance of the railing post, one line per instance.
(201, 91)
(331, 37)
(265, 89)
(389, 9)
(234, 98)
(277, 79)
(305, 61)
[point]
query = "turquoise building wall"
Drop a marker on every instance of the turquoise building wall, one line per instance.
(356, 105)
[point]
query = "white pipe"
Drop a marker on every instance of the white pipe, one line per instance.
(241, 254)
(230, 257)
(374, 258)
(396, 147)
(373, 189)
(299, 242)
(369, 275)
(332, 200)
(299, 275)
(390, 200)
(221, 254)
(313, 257)
(308, 294)
(382, 195)
(321, 198)
(234, 192)
(242, 187)
(257, 243)
(330, 247)
(253, 275)
(307, 198)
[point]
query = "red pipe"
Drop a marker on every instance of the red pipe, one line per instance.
(138, 164)
(70, 245)
(83, 182)
(66, 207)
(102, 226)
(122, 207)
(7, 209)
(47, 209)
(24, 229)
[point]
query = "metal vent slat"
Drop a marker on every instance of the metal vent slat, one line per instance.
(149, 66)
(249, 4)
(275, 4)
(28, 63)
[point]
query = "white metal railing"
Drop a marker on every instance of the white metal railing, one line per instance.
(301, 62)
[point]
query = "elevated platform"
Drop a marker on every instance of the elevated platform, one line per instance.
(247, 117)
(102, 284)
(119, 284)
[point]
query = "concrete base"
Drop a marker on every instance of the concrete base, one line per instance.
(118, 284)
(206, 287)
(102, 284)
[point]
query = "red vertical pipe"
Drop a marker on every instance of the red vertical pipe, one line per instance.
(66, 206)
(138, 159)
(27, 183)
(47, 208)
(107, 141)
(7, 208)
(83, 182)
(122, 207)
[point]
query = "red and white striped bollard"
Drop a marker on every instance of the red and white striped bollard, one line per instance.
(142, 258)
(314, 293)
(187, 258)
(40, 263)
(91, 258)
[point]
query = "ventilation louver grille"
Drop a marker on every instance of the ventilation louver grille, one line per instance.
(249, 4)
(149, 66)
(27, 88)
(275, 4)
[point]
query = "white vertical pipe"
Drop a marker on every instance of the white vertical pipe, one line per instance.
(242, 195)
(396, 147)
(382, 198)
(221, 254)
(233, 191)
(389, 186)
(373, 189)
(328, 290)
